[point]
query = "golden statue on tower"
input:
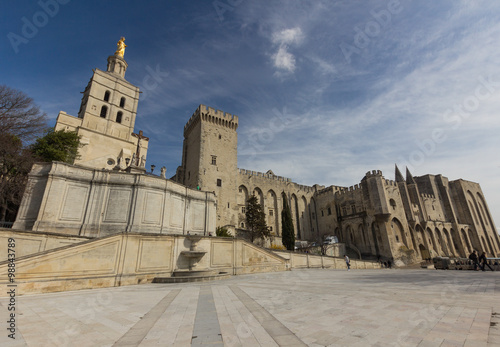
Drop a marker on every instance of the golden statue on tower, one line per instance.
(120, 51)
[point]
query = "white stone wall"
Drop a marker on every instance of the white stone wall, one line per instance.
(78, 201)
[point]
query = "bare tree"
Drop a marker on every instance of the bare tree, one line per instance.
(20, 122)
(19, 116)
(15, 164)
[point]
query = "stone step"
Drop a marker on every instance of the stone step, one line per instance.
(186, 279)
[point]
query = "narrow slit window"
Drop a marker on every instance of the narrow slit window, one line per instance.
(104, 111)
(119, 116)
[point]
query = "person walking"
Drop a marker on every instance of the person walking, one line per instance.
(484, 262)
(347, 262)
(473, 257)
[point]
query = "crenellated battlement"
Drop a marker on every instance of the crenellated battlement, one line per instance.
(211, 115)
(350, 190)
(390, 183)
(374, 173)
(263, 175)
(330, 189)
(305, 188)
(428, 196)
(270, 176)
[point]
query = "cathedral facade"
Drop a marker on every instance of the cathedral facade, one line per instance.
(409, 219)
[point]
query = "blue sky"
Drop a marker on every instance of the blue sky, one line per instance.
(325, 90)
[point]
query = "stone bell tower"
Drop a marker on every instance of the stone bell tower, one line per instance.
(106, 119)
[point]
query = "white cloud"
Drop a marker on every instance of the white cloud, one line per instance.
(288, 36)
(284, 60)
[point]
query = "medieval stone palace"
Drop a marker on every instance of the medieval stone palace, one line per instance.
(407, 219)
(411, 218)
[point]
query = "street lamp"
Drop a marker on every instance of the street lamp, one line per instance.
(152, 167)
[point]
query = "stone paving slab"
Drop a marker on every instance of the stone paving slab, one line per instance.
(310, 307)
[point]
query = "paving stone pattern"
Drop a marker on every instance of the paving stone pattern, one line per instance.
(310, 307)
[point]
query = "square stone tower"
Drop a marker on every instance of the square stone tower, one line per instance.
(106, 119)
(209, 160)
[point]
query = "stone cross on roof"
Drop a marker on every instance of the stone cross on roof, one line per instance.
(140, 137)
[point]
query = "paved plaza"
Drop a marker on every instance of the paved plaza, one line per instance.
(311, 307)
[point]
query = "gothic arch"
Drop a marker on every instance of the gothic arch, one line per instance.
(377, 238)
(449, 243)
(273, 215)
(476, 243)
(484, 245)
(467, 241)
(304, 217)
(419, 236)
(242, 195)
(294, 206)
(480, 219)
(241, 200)
(398, 231)
(349, 235)
(431, 242)
(338, 233)
(361, 235)
(489, 223)
(486, 212)
(441, 242)
(492, 242)
(412, 240)
(454, 239)
(424, 253)
(260, 196)
(313, 218)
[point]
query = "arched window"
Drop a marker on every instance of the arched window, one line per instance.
(104, 111)
(122, 102)
(106, 95)
(119, 116)
(392, 203)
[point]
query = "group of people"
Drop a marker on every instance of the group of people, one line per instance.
(479, 262)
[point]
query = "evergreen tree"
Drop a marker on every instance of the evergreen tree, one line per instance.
(222, 232)
(287, 232)
(57, 146)
(256, 219)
